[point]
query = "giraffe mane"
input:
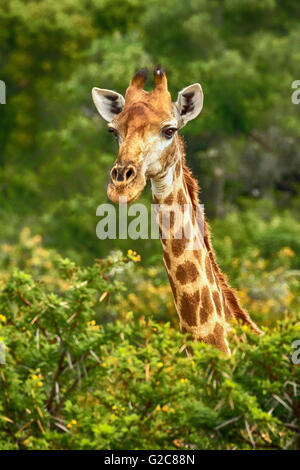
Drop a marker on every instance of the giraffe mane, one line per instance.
(191, 184)
(189, 180)
(235, 310)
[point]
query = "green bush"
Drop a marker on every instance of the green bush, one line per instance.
(94, 357)
(55, 152)
(79, 375)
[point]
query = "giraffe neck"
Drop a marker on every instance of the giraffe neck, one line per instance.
(197, 292)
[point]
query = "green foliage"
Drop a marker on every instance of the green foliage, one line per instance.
(84, 372)
(54, 149)
(96, 362)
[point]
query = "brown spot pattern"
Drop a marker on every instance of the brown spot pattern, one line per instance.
(172, 220)
(188, 231)
(178, 246)
(178, 169)
(209, 339)
(226, 309)
(217, 338)
(227, 313)
(181, 199)
(206, 305)
(167, 157)
(197, 254)
(188, 308)
(186, 272)
(217, 302)
(220, 338)
(209, 273)
(169, 199)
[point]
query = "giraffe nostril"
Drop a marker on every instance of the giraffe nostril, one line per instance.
(120, 175)
(129, 173)
(114, 174)
(123, 174)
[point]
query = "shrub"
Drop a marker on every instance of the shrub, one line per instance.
(74, 380)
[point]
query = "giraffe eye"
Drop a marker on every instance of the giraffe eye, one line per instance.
(169, 132)
(114, 132)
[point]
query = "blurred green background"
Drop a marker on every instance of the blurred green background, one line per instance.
(55, 156)
(55, 152)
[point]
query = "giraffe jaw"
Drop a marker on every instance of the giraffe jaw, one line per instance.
(127, 193)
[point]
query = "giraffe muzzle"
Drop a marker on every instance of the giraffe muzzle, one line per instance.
(125, 181)
(123, 175)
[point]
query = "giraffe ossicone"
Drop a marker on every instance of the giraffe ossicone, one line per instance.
(145, 125)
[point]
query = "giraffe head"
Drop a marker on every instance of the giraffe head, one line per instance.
(145, 126)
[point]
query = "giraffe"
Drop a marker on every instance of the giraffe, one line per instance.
(145, 125)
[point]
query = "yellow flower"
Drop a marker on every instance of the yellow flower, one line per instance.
(172, 410)
(160, 364)
(35, 377)
(133, 255)
(3, 318)
(158, 408)
(40, 384)
(287, 251)
(114, 407)
(72, 423)
(104, 364)
(92, 325)
(165, 408)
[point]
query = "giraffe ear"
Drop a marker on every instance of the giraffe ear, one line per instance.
(108, 103)
(189, 102)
